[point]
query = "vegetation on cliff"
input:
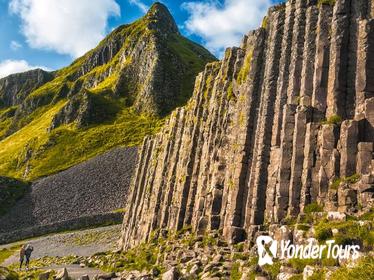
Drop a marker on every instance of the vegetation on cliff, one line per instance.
(116, 94)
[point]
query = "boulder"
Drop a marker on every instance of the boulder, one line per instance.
(106, 276)
(155, 271)
(217, 258)
(284, 276)
(336, 216)
(171, 274)
(45, 275)
(308, 272)
(195, 269)
(6, 274)
(62, 274)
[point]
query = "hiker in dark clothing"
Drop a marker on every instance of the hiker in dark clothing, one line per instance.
(28, 251)
(21, 256)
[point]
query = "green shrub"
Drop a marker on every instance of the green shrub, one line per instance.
(264, 23)
(244, 71)
(239, 247)
(326, 2)
(290, 221)
(230, 92)
(349, 232)
(363, 271)
(235, 272)
(302, 227)
(350, 180)
(313, 208)
(353, 179)
(272, 270)
(369, 216)
(335, 184)
(334, 120)
(323, 232)
(300, 264)
(209, 240)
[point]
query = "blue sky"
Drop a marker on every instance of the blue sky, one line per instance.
(51, 33)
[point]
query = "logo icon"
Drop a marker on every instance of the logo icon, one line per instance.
(267, 249)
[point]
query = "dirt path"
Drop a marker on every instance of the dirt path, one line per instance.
(78, 243)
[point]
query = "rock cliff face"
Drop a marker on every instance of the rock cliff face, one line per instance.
(15, 88)
(284, 121)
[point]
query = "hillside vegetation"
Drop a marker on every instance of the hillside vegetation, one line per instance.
(114, 95)
(11, 191)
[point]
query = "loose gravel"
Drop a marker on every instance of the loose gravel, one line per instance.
(97, 186)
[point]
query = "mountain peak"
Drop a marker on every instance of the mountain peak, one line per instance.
(161, 18)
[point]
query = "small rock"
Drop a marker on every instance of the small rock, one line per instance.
(308, 272)
(62, 275)
(145, 277)
(155, 271)
(336, 216)
(82, 265)
(107, 276)
(330, 270)
(172, 274)
(298, 236)
(312, 241)
(205, 275)
(45, 275)
(195, 269)
(85, 277)
(285, 276)
(217, 258)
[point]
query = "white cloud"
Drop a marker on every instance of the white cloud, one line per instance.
(143, 7)
(223, 25)
(8, 67)
(14, 45)
(65, 26)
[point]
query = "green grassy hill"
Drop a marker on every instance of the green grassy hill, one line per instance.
(114, 95)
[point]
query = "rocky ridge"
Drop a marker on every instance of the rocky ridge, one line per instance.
(282, 122)
(15, 88)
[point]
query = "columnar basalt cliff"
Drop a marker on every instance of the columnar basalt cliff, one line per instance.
(284, 121)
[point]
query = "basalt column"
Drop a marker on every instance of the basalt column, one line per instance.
(272, 128)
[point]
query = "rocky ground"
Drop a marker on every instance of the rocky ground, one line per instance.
(94, 187)
(184, 255)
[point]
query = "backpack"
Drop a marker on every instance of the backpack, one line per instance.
(29, 249)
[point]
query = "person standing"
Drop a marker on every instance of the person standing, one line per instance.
(28, 251)
(21, 256)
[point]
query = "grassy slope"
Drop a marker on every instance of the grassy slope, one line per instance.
(68, 145)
